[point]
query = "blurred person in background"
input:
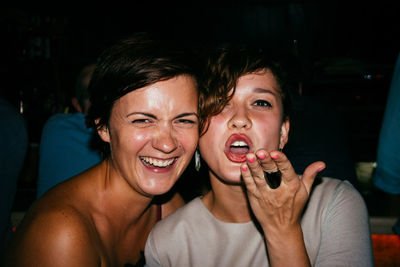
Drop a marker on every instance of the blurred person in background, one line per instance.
(387, 172)
(14, 146)
(67, 144)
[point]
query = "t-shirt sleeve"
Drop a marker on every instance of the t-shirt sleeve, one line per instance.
(150, 253)
(346, 238)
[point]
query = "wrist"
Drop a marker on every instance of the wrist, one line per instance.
(286, 246)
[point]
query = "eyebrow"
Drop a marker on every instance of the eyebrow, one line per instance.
(264, 90)
(142, 113)
(154, 117)
(187, 114)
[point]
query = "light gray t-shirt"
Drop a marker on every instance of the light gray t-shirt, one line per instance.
(335, 227)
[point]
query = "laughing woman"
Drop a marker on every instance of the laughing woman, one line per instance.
(144, 106)
(259, 212)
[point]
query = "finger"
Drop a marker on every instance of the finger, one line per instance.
(255, 169)
(310, 173)
(248, 178)
(272, 174)
(284, 165)
(267, 163)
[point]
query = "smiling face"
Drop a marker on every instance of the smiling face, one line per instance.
(251, 120)
(153, 133)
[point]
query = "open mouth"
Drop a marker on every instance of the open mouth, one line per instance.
(239, 147)
(157, 163)
(236, 147)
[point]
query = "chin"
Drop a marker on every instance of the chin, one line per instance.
(156, 190)
(232, 182)
(232, 178)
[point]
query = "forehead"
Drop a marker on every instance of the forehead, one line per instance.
(177, 91)
(259, 80)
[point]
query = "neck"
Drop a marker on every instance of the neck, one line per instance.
(227, 202)
(121, 204)
(121, 216)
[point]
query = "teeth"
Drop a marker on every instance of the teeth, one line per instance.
(157, 162)
(239, 143)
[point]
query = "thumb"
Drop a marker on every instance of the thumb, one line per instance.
(311, 172)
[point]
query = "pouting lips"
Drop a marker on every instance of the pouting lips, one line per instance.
(159, 163)
(237, 146)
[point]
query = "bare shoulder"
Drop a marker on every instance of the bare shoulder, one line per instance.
(55, 236)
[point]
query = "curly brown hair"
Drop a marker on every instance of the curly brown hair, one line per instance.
(226, 63)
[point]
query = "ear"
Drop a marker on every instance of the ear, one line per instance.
(103, 132)
(75, 104)
(284, 134)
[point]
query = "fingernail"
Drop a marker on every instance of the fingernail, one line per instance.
(261, 156)
(251, 159)
(321, 168)
(275, 157)
(244, 168)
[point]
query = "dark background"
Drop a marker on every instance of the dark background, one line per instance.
(347, 50)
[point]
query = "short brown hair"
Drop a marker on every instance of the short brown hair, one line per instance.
(226, 64)
(132, 63)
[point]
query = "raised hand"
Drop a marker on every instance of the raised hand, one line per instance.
(280, 207)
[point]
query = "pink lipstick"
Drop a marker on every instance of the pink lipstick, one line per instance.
(236, 147)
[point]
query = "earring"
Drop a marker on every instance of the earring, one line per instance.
(197, 163)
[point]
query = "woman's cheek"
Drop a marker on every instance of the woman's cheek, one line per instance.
(189, 139)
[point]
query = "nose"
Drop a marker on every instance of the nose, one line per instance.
(240, 119)
(165, 140)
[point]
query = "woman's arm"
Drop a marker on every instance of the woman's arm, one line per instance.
(279, 210)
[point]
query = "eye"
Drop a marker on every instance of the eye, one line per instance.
(186, 121)
(141, 121)
(262, 103)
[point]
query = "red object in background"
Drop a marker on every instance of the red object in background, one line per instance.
(386, 250)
